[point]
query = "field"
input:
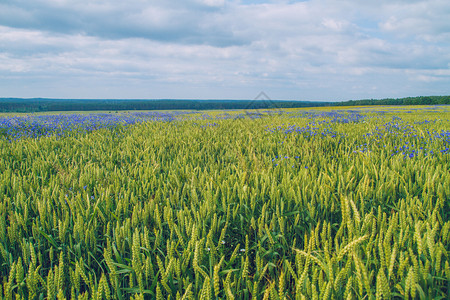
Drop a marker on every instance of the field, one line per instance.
(349, 203)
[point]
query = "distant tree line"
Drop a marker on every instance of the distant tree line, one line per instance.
(44, 105)
(421, 100)
(47, 105)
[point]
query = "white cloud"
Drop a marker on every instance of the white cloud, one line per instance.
(218, 49)
(216, 3)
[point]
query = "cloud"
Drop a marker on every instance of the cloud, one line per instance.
(426, 20)
(214, 48)
(180, 21)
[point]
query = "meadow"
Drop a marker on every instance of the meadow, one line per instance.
(348, 203)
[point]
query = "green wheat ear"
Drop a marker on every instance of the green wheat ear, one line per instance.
(267, 208)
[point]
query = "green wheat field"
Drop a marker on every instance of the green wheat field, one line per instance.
(348, 203)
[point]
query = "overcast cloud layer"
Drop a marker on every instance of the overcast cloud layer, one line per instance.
(305, 50)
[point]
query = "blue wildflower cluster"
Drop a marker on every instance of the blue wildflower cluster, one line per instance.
(209, 125)
(224, 116)
(361, 148)
(425, 122)
(335, 116)
(36, 126)
(254, 115)
(310, 131)
(406, 140)
(444, 135)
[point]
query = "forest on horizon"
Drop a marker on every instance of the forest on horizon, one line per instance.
(23, 105)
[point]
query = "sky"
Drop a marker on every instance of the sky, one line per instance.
(328, 50)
